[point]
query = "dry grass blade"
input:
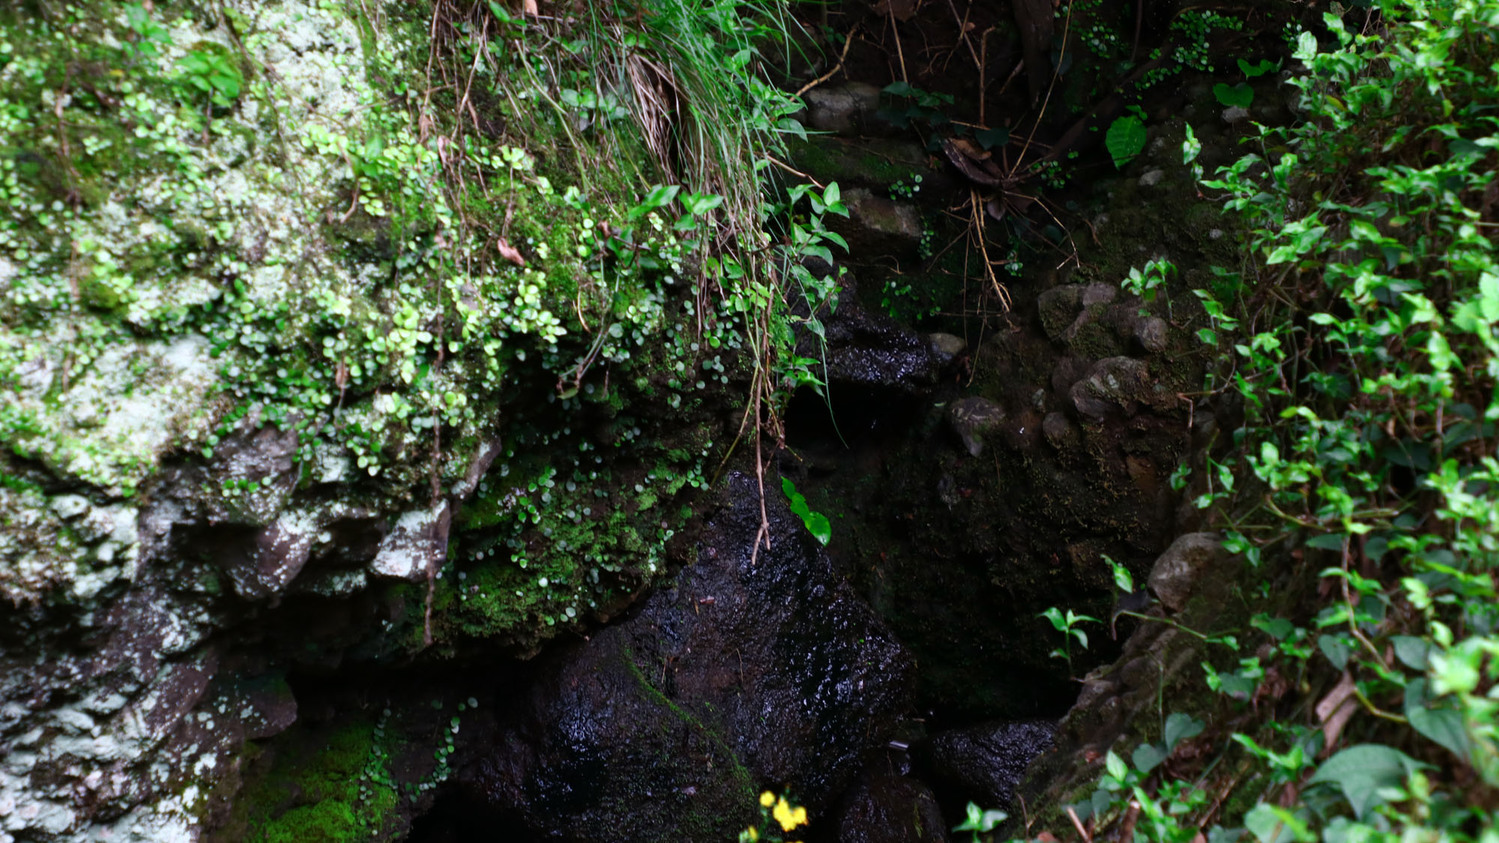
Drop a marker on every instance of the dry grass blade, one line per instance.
(656, 109)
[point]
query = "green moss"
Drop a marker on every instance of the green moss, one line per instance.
(321, 785)
(325, 822)
(873, 162)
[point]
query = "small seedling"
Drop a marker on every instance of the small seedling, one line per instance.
(1067, 625)
(817, 523)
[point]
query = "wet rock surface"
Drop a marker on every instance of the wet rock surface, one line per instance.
(889, 808)
(753, 670)
(982, 764)
(872, 353)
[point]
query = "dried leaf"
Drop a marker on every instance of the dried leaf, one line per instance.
(902, 10)
(971, 149)
(529, 7)
(1334, 710)
(510, 253)
(968, 166)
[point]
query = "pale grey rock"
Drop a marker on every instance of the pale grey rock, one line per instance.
(883, 217)
(843, 108)
(419, 539)
(946, 347)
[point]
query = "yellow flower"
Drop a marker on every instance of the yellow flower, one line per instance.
(789, 818)
(767, 799)
(750, 834)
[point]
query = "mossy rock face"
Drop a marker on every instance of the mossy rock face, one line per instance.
(251, 343)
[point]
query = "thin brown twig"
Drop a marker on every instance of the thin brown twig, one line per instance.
(900, 53)
(1078, 824)
(792, 170)
(847, 42)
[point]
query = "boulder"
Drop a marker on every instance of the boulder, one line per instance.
(983, 763)
(842, 109)
(1175, 572)
(946, 347)
(887, 808)
(754, 670)
(878, 225)
(417, 542)
(972, 418)
(1151, 333)
(870, 351)
(1061, 433)
(1113, 385)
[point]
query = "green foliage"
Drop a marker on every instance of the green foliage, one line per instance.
(979, 821)
(1067, 625)
(371, 270)
(1125, 139)
(1146, 283)
(213, 72)
(1239, 95)
(817, 523)
(913, 106)
(1363, 483)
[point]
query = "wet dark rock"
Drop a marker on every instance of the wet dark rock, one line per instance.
(984, 763)
(751, 671)
(265, 455)
(265, 705)
(266, 562)
(971, 418)
(1066, 372)
(871, 351)
(888, 808)
(1175, 572)
(1114, 385)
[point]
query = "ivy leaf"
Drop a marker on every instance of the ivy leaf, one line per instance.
(821, 528)
(1125, 140)
(1253, 70)
(1366, 773)
(1240, 95)
(1180, 727)
(1115, 766)
(1411, 651)
(1147, 757)
(1441, 723)
(990, 138)
(1274, 824)
(1122, 578)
